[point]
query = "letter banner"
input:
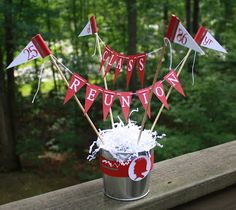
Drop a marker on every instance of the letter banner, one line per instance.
(130, 67)
(178, 34)
(125, 101)
(36, 48)
(173, 80)
(105, 55)
(143, 95)
(92, 92)
(158, 90)
(111, 61)
(108, 98)
(120, 61)
(205, 39)
(141, 60)
(76, 83)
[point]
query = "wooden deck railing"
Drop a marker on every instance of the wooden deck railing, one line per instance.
(173, 182)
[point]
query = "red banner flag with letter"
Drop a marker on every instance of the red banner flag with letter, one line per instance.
(141, 60)
(92, 92)
(120, 61)
(143, 95)
(108, 98)
(178, 34)
(105, 55)
(90, 28)
(205, 39)
(130, 67)
(158, 90)
(36, 48)
(173, 80)
(125, 101)
(76, 83)
(111, 61)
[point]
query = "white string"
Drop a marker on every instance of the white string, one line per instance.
(180, 63)
(62, 65)
(39, 82)
(95, 47)
(194, 58)
(154, 51)
(169, 43)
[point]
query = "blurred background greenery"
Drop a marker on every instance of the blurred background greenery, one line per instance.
(43, 146)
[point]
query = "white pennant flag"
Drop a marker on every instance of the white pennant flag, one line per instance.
(178, 34)
(205, 39)
(36, 48)
(90, 27)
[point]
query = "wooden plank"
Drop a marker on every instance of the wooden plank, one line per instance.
(173, 182)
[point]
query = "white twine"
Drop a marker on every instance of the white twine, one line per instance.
(39, 82)
(170, 46)
(62, 65)
(194, 59)
(95, 47)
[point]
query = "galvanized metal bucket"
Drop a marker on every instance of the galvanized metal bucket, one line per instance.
(120, 182)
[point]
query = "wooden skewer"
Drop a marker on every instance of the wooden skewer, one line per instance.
(169, 92)
(151, 92)
(77, 100)
(103, 73)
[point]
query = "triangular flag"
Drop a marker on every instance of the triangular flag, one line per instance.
(108, 98)
(111, 61)
(141, 60)
(205, 39)
(90, 28)
(106, 53)
(36, 48)
(143, 95)
(92, 92)
(125, 101)
(178, 34)
(120, 61)
(158, 90)
(173, 80)
(76, 83)
(130, 67)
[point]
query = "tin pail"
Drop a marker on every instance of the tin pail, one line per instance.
(126, 182)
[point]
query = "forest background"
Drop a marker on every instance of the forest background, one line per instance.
(43, 146)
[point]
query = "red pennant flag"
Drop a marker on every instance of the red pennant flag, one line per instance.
(143, 95)
(111, 61)
(90, 28)
(105, 55)
(125, 101)
(173, 80)
(120, 61)
(130, 67)
(141, 60)
(92, 92)
(76, 83)
(158, 90)
(108, 98)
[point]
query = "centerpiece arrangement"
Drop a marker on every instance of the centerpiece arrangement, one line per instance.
(126, 150)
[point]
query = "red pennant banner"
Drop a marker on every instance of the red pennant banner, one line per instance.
(76, 83)
(105, 55)
(108, 98)
(143, 95)
(125, 101)
(110, 62)
(173, 80)
(92, 92)
(158, 90)
(120, 61)
(141, 60)
(130, 67)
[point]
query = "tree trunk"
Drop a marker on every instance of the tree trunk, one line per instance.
(188, 15)
(195, 16)
(9, 160)
(132, 37)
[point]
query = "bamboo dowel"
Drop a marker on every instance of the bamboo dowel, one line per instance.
(103, 73)
(151, 92)
(169, 92)
(77, 100)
